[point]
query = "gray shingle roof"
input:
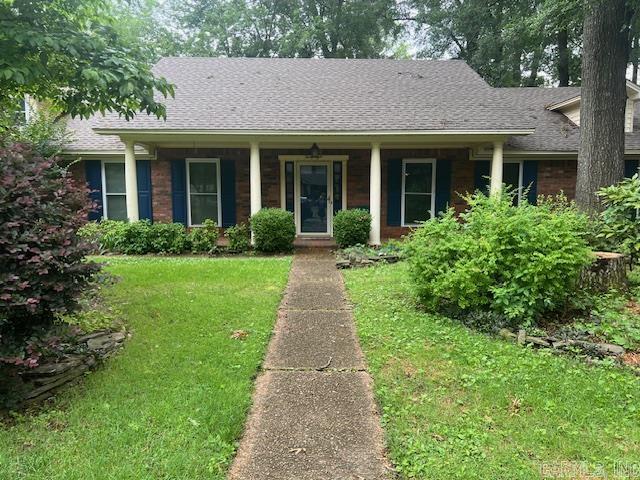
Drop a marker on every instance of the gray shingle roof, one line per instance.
(553, 131)
(325, 95)
(85, 139)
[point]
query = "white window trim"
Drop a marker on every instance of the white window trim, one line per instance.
(105, 213)
(433, 162)
(216, 161)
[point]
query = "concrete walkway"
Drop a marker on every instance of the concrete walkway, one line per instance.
(313, 414)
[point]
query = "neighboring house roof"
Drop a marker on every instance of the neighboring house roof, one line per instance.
(554, 132)
(308, 95)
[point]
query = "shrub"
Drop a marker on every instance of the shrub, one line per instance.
(136, 237)
(351, 227)
(239, 237)
(133, 238)
(274, 230)
(43, 270)
(204, 239)
(517, 261)
(621, 218)
(168, 238)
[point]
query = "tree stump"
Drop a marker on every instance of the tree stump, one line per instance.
(609, 271)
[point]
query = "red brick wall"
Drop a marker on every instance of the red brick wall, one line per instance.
(358, 178)
(161, 191)
(270, 177)
(77, 172)
(557, 175)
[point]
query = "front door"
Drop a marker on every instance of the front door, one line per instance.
(314, 198)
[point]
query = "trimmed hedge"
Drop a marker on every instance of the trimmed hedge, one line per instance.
(352, 227)
(273, 230)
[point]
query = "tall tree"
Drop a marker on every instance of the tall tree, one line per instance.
(604, 64)
(69, 53)
(492, 37)
(287, 28)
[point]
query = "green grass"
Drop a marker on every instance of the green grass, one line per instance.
(462, 405)
(172, 404)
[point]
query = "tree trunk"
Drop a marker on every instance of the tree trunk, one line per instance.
(634, 59)
(532, 81)
(604, 65)
(563, 58)
(607, 272)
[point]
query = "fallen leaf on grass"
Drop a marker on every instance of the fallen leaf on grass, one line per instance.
(514, 406)
(632, 359)
(239, 335)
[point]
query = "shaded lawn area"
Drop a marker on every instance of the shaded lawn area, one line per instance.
(460, 404)
(172, 404)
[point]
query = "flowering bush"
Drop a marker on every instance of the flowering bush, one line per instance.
(43, 270)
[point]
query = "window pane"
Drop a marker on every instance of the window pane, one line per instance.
(203, 178)
(114, 177)
(418, 177)
(417, 208)
(117, 207)
(203, 207)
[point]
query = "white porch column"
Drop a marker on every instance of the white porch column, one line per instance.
(254, 178)
(375, 194)
(496, 169)
(131, 181)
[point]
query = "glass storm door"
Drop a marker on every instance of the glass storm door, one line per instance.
(314, 198)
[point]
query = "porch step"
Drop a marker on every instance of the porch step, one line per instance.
(310, 242)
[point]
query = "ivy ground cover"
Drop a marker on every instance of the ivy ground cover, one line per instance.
(173, 402)
(458, 404)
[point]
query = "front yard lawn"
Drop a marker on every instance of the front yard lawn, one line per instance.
(460, 404)
(173, 402)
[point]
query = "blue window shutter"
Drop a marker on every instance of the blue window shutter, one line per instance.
(530, 180)
(394, 192)
(630, 168)
(179, 191)
(143, 174)
(481, 171)
(443, 185)
(228, 192)
(93, 175)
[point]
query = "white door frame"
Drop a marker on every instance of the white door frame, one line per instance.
(327, 160)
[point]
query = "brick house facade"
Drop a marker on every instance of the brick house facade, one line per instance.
(553, 177)
(401, 138)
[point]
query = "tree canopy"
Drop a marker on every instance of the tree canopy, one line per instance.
(71, 53)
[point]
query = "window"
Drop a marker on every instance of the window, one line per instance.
(114, 198)
(512, 178)
(203, 183)
(418, 187)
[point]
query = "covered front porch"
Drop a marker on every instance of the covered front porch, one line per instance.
(401, 179)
